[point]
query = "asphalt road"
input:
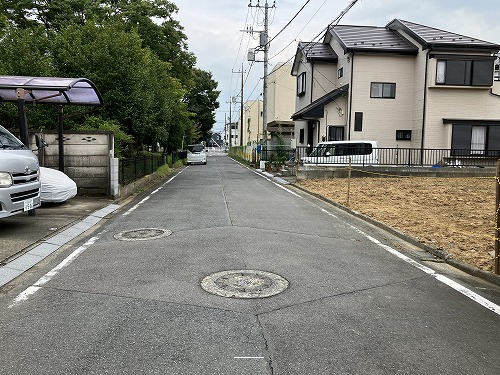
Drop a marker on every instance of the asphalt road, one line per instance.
(358, 300)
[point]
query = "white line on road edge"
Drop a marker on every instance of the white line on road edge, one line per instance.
(149, 196)
(444, 279)
(49, 275)
(268, 179)
(248, 357)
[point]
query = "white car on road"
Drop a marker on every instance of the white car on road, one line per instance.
(196, 154)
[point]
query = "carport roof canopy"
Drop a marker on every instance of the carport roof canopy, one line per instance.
(49, 90)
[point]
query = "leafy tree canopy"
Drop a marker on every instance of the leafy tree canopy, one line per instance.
(133, 50)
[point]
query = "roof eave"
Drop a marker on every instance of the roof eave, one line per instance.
(374, 51)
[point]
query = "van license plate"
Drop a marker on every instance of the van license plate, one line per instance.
(28, 204)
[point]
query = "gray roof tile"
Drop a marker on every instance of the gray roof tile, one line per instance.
(372, 39)
(431, 37)
(318, 51)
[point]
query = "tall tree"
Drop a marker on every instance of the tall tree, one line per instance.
(202, 101)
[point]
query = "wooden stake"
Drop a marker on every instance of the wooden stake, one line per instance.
(497, 216)
(349, 181)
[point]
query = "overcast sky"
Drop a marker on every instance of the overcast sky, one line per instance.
(213, 29)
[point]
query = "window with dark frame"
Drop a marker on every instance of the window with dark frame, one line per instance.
(301, 135)
(358, 121)
(301, 84)
(340, 73)
(475, 139)
(383, 90)
(403, 135)
(335, 133)
(465, 72)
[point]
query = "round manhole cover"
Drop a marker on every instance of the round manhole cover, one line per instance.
(244, 284)
(142, 234)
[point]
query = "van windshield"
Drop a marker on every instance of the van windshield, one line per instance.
(195, 148)
(8, 141)
(342, 149)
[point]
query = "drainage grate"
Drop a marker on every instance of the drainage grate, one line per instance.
(244, 284)
(142, 234)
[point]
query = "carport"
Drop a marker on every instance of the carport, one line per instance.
(57, 91)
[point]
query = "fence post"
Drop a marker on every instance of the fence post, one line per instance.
(497, 228)
(349, 181)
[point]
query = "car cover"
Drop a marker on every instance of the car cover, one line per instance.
(56, 186)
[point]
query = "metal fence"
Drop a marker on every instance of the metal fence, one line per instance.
(131, 169)
(410, 157)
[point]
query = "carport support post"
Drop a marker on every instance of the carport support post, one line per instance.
(23, 129)
(60, 112)
(497, 229)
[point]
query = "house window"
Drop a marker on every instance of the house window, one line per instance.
(403, 135)
(301, 84)
(340, 73)
(478, 140)
(383, 90)
(465, 72)
(335, 133)
(475, 140)
(301, 135)
(358, 121)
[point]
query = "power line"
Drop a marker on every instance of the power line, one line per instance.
(289, 22)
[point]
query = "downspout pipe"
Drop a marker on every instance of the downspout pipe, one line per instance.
(350, 98)
(424, 108)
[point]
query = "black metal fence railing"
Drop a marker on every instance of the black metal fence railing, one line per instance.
(131, 169)
(386, 156)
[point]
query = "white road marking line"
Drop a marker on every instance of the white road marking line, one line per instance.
(444, 279)
(248, 357)
(132, 209)
(268, 179)
(23, 296)
(329, 213)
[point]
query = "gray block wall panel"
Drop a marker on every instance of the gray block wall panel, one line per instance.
(44, 249)
(24, 262)
(8, 274)
(59, 239)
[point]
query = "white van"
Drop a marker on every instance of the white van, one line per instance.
(343, 152)
(19, 176)
(196, 154)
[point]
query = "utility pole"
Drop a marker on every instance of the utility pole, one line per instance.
(241, 108)
(241, 105)
(264, 45)
(230, 127)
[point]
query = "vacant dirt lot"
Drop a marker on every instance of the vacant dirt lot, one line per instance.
(456, 215)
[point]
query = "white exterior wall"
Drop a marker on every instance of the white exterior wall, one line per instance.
(252, 121)
(324, 79)
(381, 116)
(456, 102)
(281, 93)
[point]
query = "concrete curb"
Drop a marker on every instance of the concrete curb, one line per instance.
(467, 268)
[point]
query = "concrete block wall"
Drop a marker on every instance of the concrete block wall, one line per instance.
(88, 159)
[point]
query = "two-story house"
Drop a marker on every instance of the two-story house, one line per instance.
(403, 85)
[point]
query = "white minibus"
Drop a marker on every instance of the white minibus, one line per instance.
(343, 153)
